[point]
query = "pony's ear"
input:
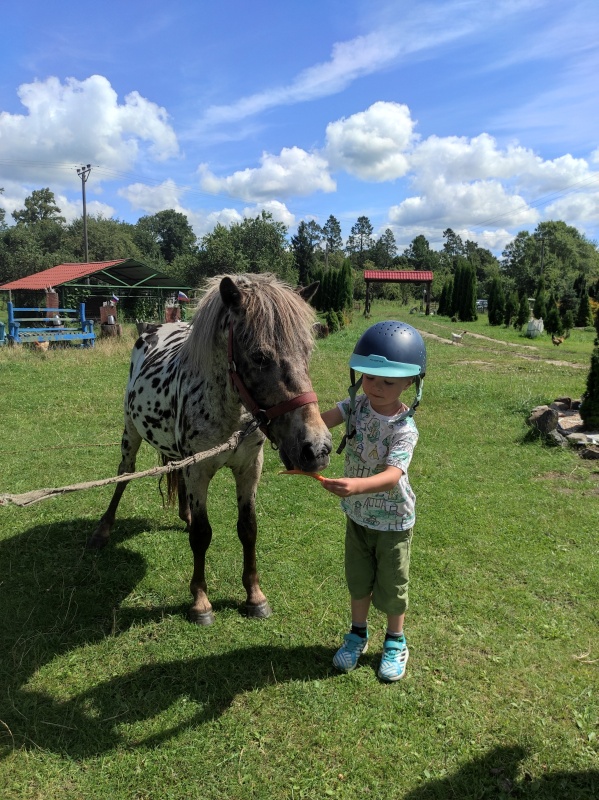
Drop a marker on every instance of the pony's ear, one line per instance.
(230, 294)
(308, 292)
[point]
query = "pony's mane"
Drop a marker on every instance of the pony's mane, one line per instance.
(271, 312)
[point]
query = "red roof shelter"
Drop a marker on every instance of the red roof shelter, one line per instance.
(399, 276)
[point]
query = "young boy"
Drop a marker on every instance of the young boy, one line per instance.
(375, 493)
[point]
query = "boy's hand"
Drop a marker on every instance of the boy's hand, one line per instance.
(342, 487)
(346, 487)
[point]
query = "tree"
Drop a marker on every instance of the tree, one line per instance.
(2, 215)
(496, 307)
(302, 247)
(553, 321)
(360, 241)
(106, 239)
(384, 250)
(584, 314)
(463, 302)
(589, 408)
(511, 307)
(523, 314)
(253, 245)
(171, 231)
(40, 206)
(332, 235)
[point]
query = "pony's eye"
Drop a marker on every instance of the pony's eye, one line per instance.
(261, 359)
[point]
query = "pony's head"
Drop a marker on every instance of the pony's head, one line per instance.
(271, 329)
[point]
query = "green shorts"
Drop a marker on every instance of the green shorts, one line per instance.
(378, 563)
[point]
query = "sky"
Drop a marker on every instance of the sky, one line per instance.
(478, 116)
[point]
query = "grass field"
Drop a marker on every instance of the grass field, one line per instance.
(106, 691)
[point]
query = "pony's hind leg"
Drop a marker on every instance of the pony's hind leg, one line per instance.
(130, 443)
(246, 480)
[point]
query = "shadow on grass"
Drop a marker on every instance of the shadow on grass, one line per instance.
(104, 718)
(497, 775)
(57, 597)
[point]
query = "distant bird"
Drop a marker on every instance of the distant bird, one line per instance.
(456, 338)
(557, 340)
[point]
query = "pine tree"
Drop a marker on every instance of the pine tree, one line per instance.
(511, 307)
(496, 308)
(523, 314)
(584, 315)
(589, 408)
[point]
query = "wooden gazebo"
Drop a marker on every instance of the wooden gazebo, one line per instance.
(399, 276)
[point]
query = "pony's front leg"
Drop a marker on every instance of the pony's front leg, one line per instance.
(246, 480)
(200, 536)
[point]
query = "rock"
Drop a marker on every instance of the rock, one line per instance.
(559, 405)
(555, 438)
(591, 452)
(544, 419)
(567, 401)
(577, 439)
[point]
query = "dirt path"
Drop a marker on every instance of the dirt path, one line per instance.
(498, 342)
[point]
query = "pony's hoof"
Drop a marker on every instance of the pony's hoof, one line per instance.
(261, 611)
(201, 617)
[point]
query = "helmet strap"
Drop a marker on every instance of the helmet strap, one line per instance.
(350, 428)
(417, 399)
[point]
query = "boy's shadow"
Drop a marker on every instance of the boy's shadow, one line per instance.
(496, 775)
(57, 597)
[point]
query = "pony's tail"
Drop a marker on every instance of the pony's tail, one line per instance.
(172, 485)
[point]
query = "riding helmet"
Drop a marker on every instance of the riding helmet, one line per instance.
(390, 349)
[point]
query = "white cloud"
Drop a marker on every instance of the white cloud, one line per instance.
(579, 209)
(463, 205)
(152, 199)
(372, 144)
(80, 122)
(398, 34)
(293, 172)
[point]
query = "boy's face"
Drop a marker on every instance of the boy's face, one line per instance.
(383, 393)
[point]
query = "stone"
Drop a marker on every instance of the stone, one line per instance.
(578, 439)
(544, 419)
(591, 452)
(555, 438)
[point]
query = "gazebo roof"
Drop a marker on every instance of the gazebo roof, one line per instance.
(398, 275)
(123, 272)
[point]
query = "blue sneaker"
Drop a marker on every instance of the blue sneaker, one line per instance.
(346, 658)
(393, 662)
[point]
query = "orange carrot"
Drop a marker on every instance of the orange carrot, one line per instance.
(316, 475)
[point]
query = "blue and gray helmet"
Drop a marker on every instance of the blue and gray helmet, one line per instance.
(388, 349)
(391, 349)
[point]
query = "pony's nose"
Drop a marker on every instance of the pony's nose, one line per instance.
(310, 454)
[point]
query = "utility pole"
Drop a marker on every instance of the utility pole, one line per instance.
(83, 173)
(542, 254)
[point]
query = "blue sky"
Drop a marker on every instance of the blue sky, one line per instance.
(479, 116)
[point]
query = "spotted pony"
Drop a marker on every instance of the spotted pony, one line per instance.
(243, 361)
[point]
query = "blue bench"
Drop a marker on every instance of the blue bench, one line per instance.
(71, 325)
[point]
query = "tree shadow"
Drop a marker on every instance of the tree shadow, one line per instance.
(496, 775)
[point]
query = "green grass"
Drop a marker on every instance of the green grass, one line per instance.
(106, 691)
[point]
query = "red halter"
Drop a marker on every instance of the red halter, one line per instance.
(263, 416)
